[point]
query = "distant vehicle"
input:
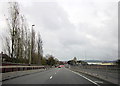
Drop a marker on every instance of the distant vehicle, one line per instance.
(60, 66)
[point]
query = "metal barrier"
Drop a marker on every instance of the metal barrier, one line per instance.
(105, 72)
(19, 68)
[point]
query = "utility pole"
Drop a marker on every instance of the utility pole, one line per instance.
(31, 46)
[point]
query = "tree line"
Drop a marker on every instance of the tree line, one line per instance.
(23, 44)
(75, 62)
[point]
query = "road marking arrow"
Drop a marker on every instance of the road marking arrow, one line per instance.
(50, 77)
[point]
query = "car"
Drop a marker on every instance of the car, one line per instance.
(60, 66)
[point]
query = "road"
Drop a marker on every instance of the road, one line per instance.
(54, 76)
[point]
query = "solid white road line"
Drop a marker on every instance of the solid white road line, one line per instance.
(98, 82)
(85, 77)
(50, 77)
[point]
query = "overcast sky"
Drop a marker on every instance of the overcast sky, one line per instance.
(86, 29)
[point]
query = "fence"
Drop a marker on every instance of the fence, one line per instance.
(10, 67)
(19, 68)
(108, 68)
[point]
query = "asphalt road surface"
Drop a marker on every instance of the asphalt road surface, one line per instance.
(55, 76)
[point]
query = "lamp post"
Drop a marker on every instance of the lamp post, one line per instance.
(31, 46)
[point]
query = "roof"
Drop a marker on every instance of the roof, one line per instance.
(3, 55)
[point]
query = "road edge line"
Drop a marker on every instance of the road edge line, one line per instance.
(84, 77)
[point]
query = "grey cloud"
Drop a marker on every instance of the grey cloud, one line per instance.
(50, 15)
(63, 39)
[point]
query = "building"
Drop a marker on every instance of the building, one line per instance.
(4, 57)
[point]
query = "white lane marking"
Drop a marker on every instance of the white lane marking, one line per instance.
(55, 73)
(85, 78)
(50, 77)
(98, 82)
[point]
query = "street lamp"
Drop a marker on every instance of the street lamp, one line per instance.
(31, 46)
(33, 25)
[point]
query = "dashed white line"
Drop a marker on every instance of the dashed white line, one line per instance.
(50, 77)
(85, 78)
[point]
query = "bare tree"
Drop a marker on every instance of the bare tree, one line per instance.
(13, 23)
(40, 49)
(25, 39)
(25, 42)
(8, 45)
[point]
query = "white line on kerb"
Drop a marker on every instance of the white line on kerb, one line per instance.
(85, 78)
(50, 77)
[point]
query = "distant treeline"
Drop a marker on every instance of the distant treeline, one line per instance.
(47, 60)
(74, 61)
